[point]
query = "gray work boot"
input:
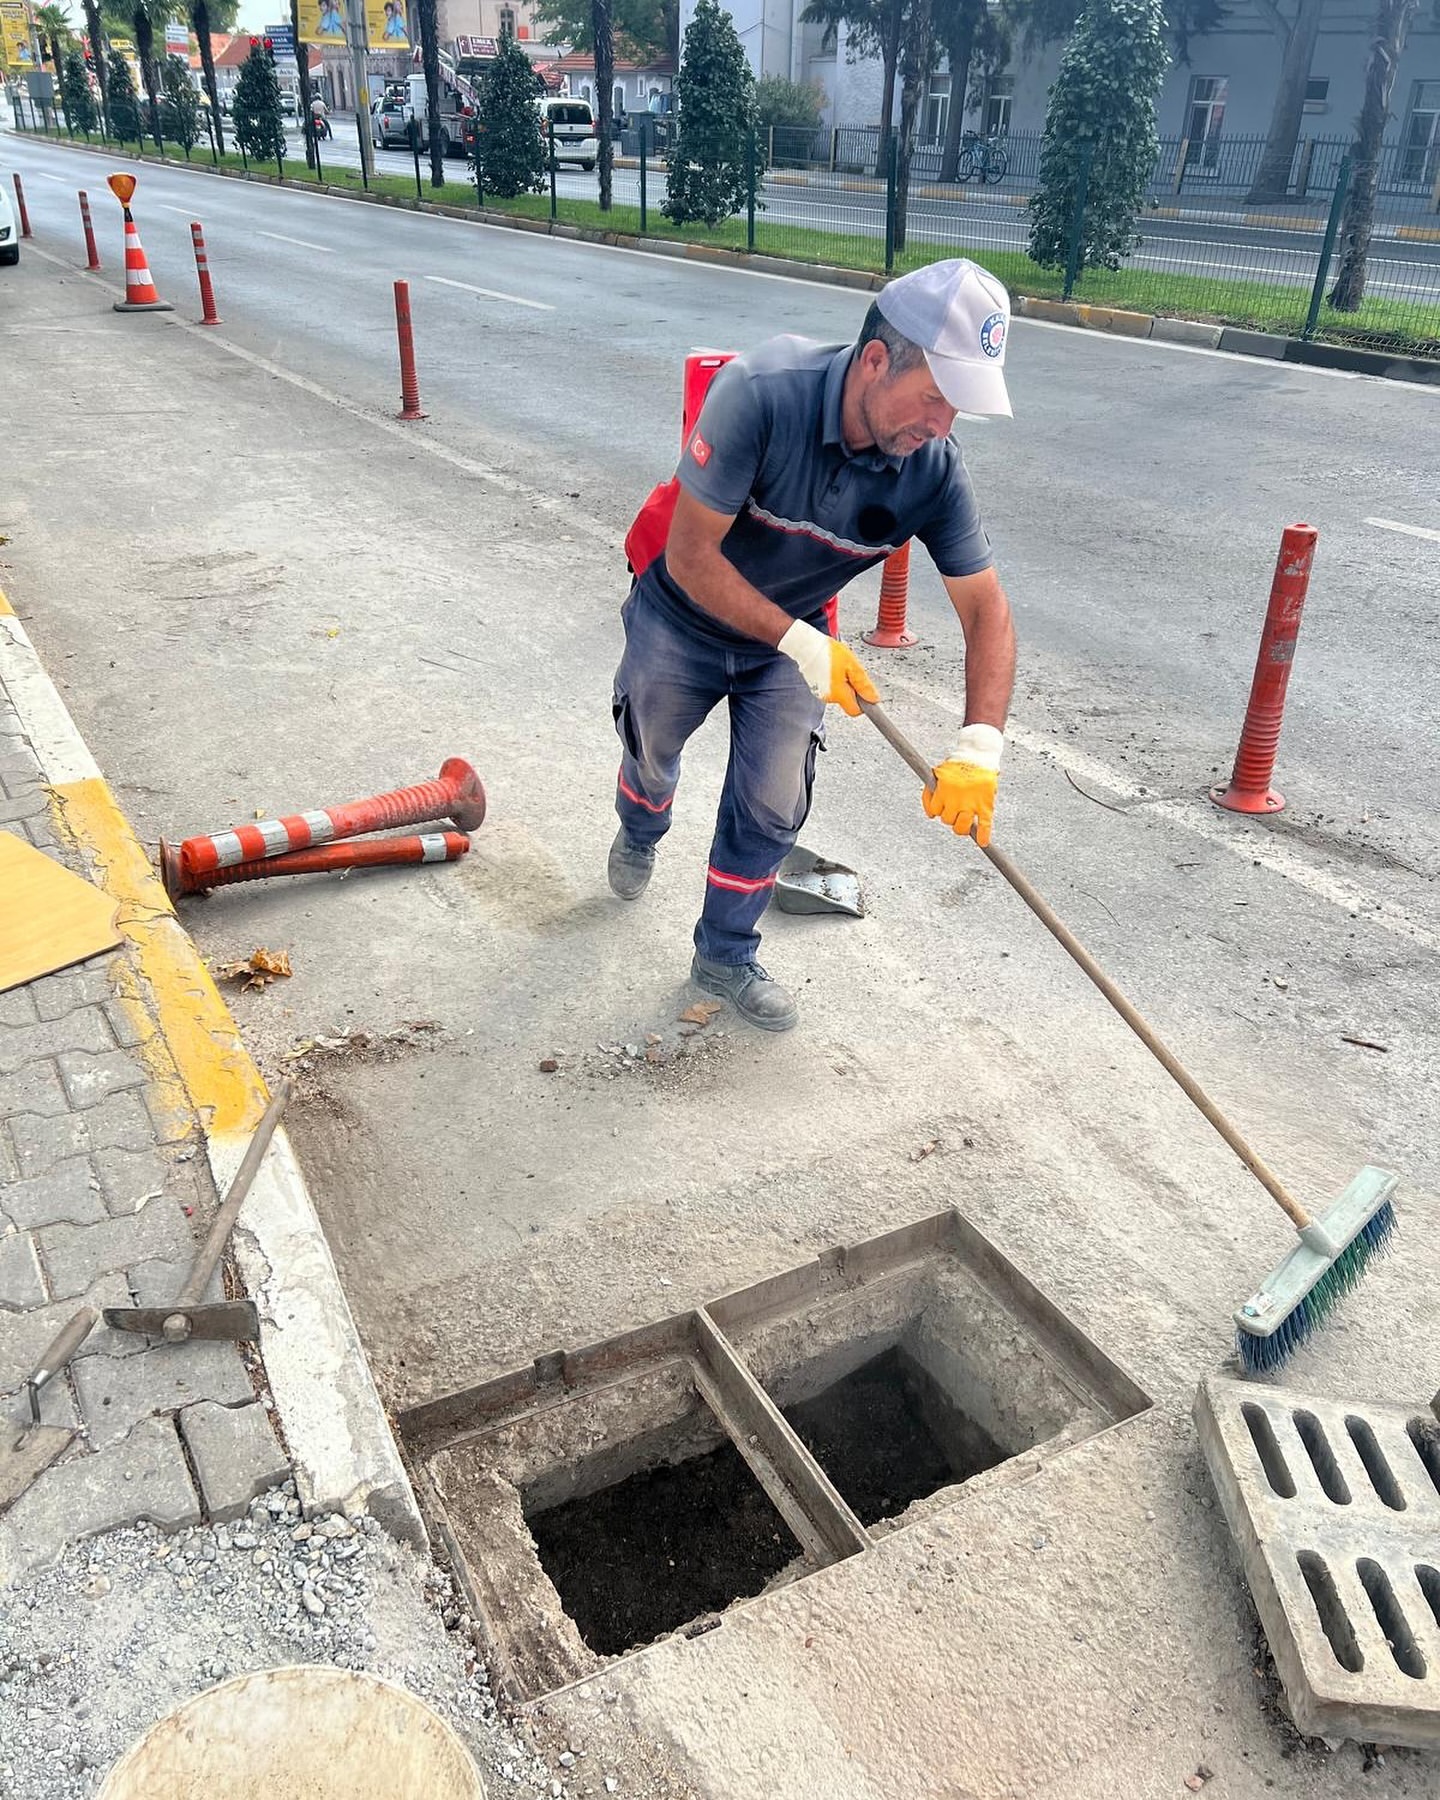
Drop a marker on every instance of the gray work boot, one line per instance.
(758, 1000)
(630, 866)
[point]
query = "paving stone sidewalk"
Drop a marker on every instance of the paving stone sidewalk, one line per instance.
(102, 1196)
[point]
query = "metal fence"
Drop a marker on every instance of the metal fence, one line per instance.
(1210, 247)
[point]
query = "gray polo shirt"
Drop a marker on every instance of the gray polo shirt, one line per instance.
(810, 515)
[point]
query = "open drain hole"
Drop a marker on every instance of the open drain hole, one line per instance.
(666, 1545)
(1267, 1446)
(1330, 1610)
(1382, 1477)
(887, 1435)
(1317, 1446)
(1429, 1580)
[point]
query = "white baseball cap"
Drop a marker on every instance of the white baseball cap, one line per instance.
(959, 315)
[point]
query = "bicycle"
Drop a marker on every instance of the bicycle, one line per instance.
(985, 157)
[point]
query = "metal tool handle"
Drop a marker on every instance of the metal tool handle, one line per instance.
(213, 1248)
(67, 1341)
(1080, 955)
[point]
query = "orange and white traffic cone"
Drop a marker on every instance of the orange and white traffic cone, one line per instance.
(141, 294)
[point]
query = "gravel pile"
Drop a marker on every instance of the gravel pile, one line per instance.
(129, 1626)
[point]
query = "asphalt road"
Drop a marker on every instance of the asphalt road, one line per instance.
(1203, 245)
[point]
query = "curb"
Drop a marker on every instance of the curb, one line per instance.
(344, 1456)
(1238, 341)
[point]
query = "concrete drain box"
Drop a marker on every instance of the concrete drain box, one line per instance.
(603, 1498)
(1335, 1508)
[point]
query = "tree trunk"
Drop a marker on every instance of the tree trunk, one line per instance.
(960, 47)
(302, 71)
(890, 54)
(1272, 178)
(602, 30)
(919, 55)
(149, 74)
(200, 24)
(1392, 21)
(95, 31)
(425, 14)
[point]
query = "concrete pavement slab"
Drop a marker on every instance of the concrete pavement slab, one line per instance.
(115, 1393)
(235, 1455)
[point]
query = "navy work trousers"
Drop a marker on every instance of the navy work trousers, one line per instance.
(668, 682)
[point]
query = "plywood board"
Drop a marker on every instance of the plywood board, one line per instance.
(49, 918)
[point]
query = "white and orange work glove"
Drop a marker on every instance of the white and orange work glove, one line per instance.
(832, 672)
(964, 791)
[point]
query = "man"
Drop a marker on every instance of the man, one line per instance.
(320, 116)
(809, 463)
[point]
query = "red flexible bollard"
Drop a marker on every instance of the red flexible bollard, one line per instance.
(409, 381)
(701, 368)
(367, 853)
(457, 794)
(202, 269)
(92, 254)
(25, 230)
(1250, 790)
(891, 631)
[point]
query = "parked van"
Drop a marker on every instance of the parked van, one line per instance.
(454, 115)
(575, 137)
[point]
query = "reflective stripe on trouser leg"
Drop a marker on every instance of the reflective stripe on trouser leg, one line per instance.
(774, 735)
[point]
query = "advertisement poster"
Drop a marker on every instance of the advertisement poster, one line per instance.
(388, 25)
(322, 22)
(15, 34)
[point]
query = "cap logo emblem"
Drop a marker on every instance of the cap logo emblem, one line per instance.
(992, 335)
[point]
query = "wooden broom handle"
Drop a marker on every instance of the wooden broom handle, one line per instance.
(1079, 954)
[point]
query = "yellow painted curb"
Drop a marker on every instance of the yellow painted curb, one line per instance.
(1281, 222)
(1058, 312)
(5, 607)
(212, 1064)
(1110, 318)
(1418, 234)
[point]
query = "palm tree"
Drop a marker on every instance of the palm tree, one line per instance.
(144, 14)
(200, 25)
(95, 31)
(53, 24)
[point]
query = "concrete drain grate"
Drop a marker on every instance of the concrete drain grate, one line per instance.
(603, 1498)
(1335, 1508)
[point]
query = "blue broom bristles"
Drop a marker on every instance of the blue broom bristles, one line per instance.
(1263, 1355)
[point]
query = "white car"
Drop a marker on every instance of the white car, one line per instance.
(574, 125)
(9, 224)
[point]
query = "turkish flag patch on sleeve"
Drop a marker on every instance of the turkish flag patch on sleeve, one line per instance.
(699, 449)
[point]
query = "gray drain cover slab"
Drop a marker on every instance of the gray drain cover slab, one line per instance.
(1335, 1508)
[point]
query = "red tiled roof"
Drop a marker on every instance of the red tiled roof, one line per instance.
(575, 64)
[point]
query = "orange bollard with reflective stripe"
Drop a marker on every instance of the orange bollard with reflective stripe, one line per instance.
(409, 380)
(457, 794)
(92, 255)
(202, 270)
(364, 853)
(891, 631)
(1250, 790)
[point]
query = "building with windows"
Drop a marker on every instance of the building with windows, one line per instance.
(1226, 90)
(638, 87)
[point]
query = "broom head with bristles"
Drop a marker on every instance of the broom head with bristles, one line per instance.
(1297, 1298)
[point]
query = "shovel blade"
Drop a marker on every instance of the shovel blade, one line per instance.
(808, 883)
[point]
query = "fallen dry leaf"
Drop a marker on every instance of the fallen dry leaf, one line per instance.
(259, 969)
(924, 1150)
(702, 1012)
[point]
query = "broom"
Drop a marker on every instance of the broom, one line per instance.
(1334, 1251)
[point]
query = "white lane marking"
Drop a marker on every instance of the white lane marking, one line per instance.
(1265, 848)
(1420, 531)
(45, 175)
(1255, 363)
(302, 243)
(489, 293)
(187, 212)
